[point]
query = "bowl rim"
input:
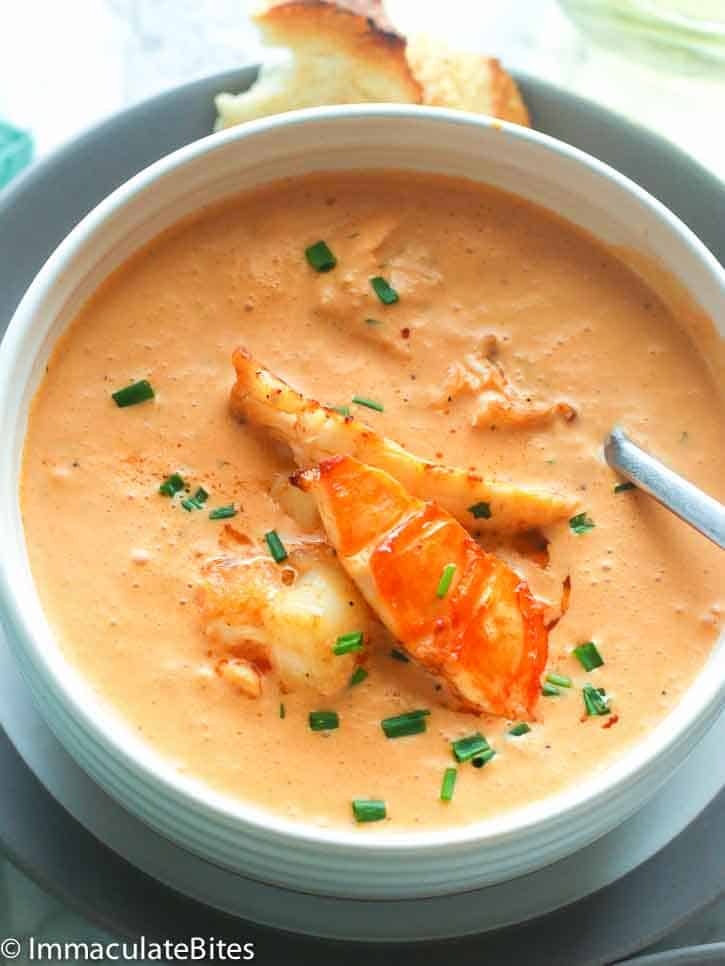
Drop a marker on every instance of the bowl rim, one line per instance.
(704, 693)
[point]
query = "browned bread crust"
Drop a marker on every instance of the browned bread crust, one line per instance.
(465, 81)
(371, 10)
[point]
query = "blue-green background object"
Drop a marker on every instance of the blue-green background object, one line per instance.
(16, 151)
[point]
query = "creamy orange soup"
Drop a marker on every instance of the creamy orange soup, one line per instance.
(117, 564)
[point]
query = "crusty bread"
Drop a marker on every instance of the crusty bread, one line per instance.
(349, 53)
(339, 57)
(466, 81)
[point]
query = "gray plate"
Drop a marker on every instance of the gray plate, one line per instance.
(710, 953)
(35, 214)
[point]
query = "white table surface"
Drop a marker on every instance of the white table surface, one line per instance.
(66, 65)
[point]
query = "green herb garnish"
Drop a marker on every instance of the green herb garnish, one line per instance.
(223, 512)
(276, 547)
(384, 291)
(478, 761)
(342, 410)
(320, 257)
(623, 487)
(348, 642)
(282, 710)
(481, 511)
(373, 322)
(410, 723)
(196, 501)
(596, 701)
(559, 680)
(368, 809)
(358, 676)
(137, 392)
(445, 582)
(172, 485)
(581, 523)
(521, 728)
(588, 656)
(324, 720)
(370, 403)
(549, 690)
(448, 784)
(466, 748)
(399, 655)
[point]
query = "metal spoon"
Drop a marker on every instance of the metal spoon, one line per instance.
(689, 503)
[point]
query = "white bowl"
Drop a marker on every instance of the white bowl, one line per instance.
(343, 862)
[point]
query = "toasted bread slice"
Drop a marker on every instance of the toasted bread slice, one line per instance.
(465, 81)
(339, 57)
(349, 53)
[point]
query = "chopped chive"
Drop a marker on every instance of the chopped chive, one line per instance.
(324, 720)
(373, 322)
(320, 257)
(137, 392)
(399, 655)
(478, 761)
(348, 642)
(623, 487)
(276, 547)
(469, 747)
(521, 728)
(481, 511)
(368, 809)
(384, 290)
(445, 582)
(196, 501)
(560, 680)
(342, 410)
(171, 485)
(358, 676)
(588, 656)
(448, 784)
(223, 512)
(370, 403)
(596, 701)
(549, 690)
(581, 523)
(282, 710)
(410, 723)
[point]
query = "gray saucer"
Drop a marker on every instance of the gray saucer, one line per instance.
(711, 953)
(41, 837)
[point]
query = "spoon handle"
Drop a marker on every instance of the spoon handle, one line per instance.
(689, 503)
